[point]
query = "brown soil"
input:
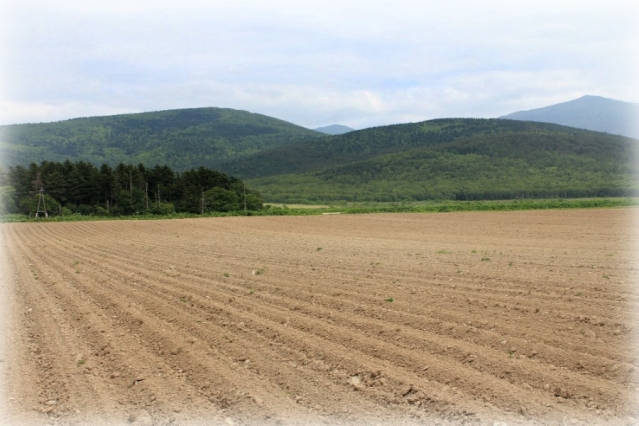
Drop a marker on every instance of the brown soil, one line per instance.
(452, 318)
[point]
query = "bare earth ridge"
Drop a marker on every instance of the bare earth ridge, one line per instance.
(450, 318)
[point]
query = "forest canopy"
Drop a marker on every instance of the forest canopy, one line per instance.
(82, 188)
(182, 139)
(443, 159)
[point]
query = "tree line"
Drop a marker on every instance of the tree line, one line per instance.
(82, 188)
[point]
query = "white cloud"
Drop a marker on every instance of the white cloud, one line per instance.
(359, 62)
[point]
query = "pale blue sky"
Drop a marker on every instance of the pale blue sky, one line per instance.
(358, 63)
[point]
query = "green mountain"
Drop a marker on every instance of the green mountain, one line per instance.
(446, 159)
(437, 159)
(181, 139)
(588, 112)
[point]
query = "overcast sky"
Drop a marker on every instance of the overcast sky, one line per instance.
(313, 63)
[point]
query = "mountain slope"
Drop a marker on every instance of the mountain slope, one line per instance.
(451, 159)
(443, 158)
(334, 129)
(181, 139)
(588, 112)
(369, 143)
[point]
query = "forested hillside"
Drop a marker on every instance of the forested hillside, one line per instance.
(82, 188)
(180, 139)
(462, 159)
(458, 159)
(369, 143)
(346, 148)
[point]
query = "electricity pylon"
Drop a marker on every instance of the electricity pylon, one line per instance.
(41, 202)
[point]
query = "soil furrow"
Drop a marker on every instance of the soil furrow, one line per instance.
(547, 353)
(457, 353)
(521, 317)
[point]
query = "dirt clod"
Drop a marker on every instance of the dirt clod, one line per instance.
(355, 382)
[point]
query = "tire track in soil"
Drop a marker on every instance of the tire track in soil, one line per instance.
(345, 325)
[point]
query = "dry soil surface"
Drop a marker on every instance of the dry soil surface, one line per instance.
(450, 318)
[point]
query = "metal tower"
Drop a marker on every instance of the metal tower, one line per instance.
(41, 202)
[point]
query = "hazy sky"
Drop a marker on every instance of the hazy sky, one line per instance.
(313, 63)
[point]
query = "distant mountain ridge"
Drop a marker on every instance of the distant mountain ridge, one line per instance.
(181, 139)
(588, 112)
(334, 129)
(460, 159)
(453, 158)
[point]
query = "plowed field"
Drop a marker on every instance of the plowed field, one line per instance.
(450, 318)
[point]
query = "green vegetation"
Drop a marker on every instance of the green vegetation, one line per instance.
(82, 189)
(364, 208)
(447, 159)
(390, 299)
(443, 159)
(181, 139)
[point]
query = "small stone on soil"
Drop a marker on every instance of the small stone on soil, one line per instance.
(355, 382)
(140, 418)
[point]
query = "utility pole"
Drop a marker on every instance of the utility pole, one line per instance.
(146, 193)
(244, 198)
